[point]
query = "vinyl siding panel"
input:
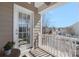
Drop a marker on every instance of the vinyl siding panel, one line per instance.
(5, 23)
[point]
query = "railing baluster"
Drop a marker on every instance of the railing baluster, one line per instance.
(71, 47)
(48, 43)
(59, 45)
(51, 44)
(75, 47)
(54, 46)
(64, 46)
(45, 41)
(68, 47)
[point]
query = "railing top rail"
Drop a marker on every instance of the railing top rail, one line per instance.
(61, 36)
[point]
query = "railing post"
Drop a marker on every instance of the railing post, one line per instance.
(54, 44)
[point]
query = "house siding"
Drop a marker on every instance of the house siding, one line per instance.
(6, 20)
(5, 23)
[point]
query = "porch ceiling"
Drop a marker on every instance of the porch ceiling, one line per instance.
(45, 5)
(37, 4)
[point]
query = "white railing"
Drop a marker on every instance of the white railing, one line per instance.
(58, 45)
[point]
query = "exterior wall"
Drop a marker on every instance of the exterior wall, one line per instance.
(5, 23)
(37, 18)
(37, 28)
(6, 20)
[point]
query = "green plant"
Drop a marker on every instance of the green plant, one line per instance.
(28, 40)
(8, 45)
(24, 56)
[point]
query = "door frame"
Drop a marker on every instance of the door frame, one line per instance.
(16, 9)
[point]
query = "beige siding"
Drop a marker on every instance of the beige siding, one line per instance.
(37, 27)
(5, 23)
(37, 18)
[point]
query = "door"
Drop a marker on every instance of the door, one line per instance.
(23, 27)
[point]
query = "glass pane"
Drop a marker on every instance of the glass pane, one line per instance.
(28, 17)
(24, 16)
(24, 29)
(24, 35)
(26, 38)
(20, 35)
(20, 29)
(20, 15)
(27, 27)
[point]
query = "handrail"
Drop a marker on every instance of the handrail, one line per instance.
(61, 36)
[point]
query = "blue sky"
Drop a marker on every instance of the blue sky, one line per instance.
(62, 16)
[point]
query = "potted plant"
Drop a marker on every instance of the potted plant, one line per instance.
(8, 47)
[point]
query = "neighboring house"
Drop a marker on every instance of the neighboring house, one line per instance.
(76, 28)
(73, 30)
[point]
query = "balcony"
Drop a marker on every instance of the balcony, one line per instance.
(58, 45)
